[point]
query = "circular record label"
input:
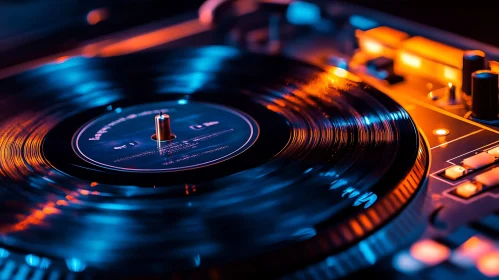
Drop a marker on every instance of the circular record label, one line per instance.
(205, 133)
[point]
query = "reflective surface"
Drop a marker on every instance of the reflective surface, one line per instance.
(330, 151)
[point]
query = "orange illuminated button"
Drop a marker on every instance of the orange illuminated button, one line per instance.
(455, 172)
(494, 152)
(466, 189)
(489, 178)
(479, 160)
(488, 264)
(429, 252)
(441, 132)
(471, 250)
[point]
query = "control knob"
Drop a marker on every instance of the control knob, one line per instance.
(484, 97)
(473, 60)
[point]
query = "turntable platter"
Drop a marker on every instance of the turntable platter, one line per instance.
(307, 167)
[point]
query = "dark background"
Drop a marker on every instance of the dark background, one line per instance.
(476, 19)
(23, 19)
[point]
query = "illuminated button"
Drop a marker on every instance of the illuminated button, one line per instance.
(469, 252)
(494, 152)
(429, 252)
(405, 263)
(479, 160)
(489, 178)
(455, 172)
(488, 264)
(466, 189)
(441, 132)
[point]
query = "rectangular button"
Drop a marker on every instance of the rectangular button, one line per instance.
(455, 172)
(489, 178)
(467, 189)
(467, 254)
(488, 264)
(429, 252)
(494, 152)
(478, 161)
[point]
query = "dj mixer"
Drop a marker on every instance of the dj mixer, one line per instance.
(253, 140)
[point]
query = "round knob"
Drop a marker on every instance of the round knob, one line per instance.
(472, 61)
(484, 95)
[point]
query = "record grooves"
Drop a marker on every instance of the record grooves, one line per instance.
(333, 161)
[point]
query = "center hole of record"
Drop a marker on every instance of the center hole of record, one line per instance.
(155, 138)
(204, 134)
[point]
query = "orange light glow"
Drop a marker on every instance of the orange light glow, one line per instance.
(206, 11)
(93, 184)
(435, 51)
(51, 210)
(474, 247)
(90, 50)
(84, 192)
(341, 72)
(62, 203)
(466, 190)
(62, 59)
(380, 41)
(372, 46)
(96, 16)
(441, 132)
(494, 66)
(488, 264)
(39, 214)
(426, 58)
(410, 60)
(93, 49)
(451, 73)
(19, 157)
(152, 39)
(429, 252)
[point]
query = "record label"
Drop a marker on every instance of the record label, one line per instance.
(205, 134)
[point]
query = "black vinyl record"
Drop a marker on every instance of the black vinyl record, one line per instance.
(276, 164)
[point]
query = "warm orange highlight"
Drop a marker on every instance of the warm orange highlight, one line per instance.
(96, 16)
(429, 252)
(488, 264)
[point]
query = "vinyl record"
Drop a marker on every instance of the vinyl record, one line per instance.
(276, 165)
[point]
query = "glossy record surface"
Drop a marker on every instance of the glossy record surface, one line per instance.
(330, 155)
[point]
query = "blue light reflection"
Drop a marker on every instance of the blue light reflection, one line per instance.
(3, 253)
(300, 12)
(75, 265)
(36, 261)
(362, 23)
